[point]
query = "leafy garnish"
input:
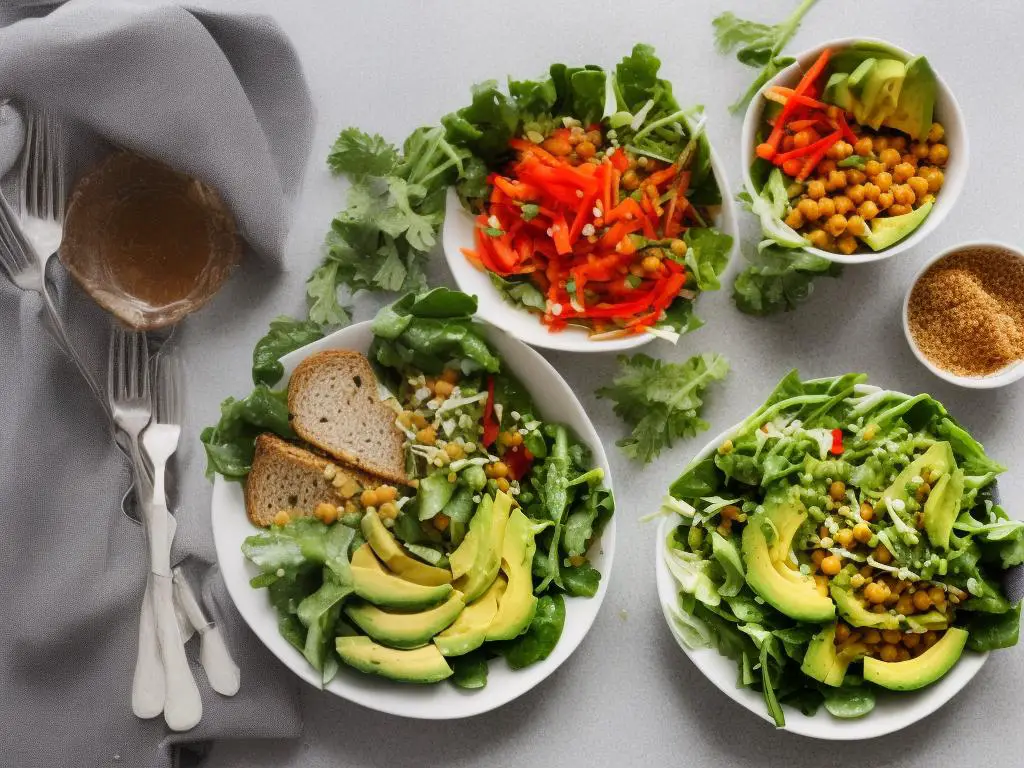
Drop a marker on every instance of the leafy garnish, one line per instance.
(285, 335)
(779, 279)
(661, 400)
(759, 45)
(231, 443)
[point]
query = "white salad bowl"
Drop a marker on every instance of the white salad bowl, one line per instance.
(444, 701)
(892, 712)
(947, 112)
(459, 233)
(1008, 375)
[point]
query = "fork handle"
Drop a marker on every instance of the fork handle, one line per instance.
(60, 331)
(183, 707)
(148, 690)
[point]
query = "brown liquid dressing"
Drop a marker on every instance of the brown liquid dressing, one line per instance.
(148, 243)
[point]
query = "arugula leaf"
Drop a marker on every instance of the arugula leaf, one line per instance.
(540, 638)
(779, 279)
(580, 580)
(285, 335)
(759, 45)
(231, 443)
(521, 292)
(661, 400)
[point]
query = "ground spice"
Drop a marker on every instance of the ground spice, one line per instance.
(966, 313)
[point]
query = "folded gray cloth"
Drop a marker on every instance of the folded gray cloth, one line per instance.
(221, 97)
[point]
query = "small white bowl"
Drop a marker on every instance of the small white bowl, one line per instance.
(1011, 373)
(443, 701)
(947, 112)
(459, 233)
(892, 712)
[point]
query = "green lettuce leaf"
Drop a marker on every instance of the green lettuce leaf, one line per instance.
(231, 443)
(779, 280)
(285, 335)
(539, 640)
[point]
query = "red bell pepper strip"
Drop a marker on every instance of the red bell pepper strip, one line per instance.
(802, 99)
(516, 190)
(518, 460)
(489, 423)
(810, 149)
(660, 177)
(817, 157)
(844, 126)
(560, 234)
(619, 160)
(768, 149)
(627, 209)
(837, 442)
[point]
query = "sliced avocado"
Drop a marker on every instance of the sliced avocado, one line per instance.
(856, 614)
(486, 536)
(374, 583)
(397, 559)
(891, 229)
(848, 59)
(924, 670)
(938, 457)
(788, 590)
(881, 92)
(405, 630)
(422, 665)
(470, 630)
(916, 106)
(859, 76)
(943, 507)
(838, 91)
(517, 606)
(826, 663)
(462, 558)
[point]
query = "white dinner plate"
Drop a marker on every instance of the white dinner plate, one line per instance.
(556, 402)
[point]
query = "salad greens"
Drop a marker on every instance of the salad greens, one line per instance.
(758, 45)
(838, 524)
(473, 434)
(662, 401)
(285, 335)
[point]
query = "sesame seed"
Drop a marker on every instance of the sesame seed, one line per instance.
(588, 230)
(493, 222)
(556, 309)
(579, 193)
(596, 212)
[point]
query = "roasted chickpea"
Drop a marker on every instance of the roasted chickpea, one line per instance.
(890, 157)
(443, 388)
(935, 180)
(557, 146)
(427, 436)
(921, 600)
(864, 146)
(855, 226)
(843, 204)
(809, 209)
(871, 191)
(831, 565)
(825, 167)
(881, 144)
(885, 199)
(847, 244)
(905, 605)
(897, 209)
(911, 640)
(855, 176)
(938, 596)
(836, 180)
(844, 538)
(903, 194)
(454, 451)
(938, 154)
(918, 185)
(586, 150)
(630, 180)
(678, 247)
(842, 632)
(867, 210)
(875, 593)
(826, 207)
(888, 653)
(651, 263)
(910, 160)
(837, 490)
(855, 193)
(817, 556)
(862, 532)
(872, 637)
(882, 555)
(884, 181)
(802, 138)
(451, 375)
(899, 143)
(836, 225)
(929, 198)
(819, 238)
(872, 168)
(929, 638)
(788, 144)
(815, 189)
(936, 132)
(794, 218)
(282, 517)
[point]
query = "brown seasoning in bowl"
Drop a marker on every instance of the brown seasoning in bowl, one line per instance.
(966, 312)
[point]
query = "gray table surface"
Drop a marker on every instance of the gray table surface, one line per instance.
(628, 696)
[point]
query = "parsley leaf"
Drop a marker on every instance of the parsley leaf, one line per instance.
(359, 154)
(759, 45)
(662, 401)
(530, 211)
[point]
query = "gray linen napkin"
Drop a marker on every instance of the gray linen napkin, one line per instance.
(221, 97)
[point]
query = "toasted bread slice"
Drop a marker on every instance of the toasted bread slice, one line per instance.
(335, 406)
(287, 477)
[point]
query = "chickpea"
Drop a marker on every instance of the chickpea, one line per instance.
(936, 133)
(867, 210)
(876, 593)
(441, 521)
(795, 219)
(885, 199)
(905, 605)
(938, 596)
(678, 247)
(871, 191)
(918, 185)
(899, 143)
(882, 555)
(817, 556)
(510, 439)
(557, 146)
(929, 638)
(843, 204)
(929, 198)
(911, 640)
(919, 150)
(836, 180)
(419, 420)
(594, 137)
(847, 244)
(825, 167)
(896, 209)
(651, 263)
(815, 190)
(282, 517)
(902, 172)
(404, 418)
(892, 636)
(427, 436)
(819, 238)
(809, 209)
(585, 150)
(836, 225)
(497, 469)
(451, 375)
(388, 511)
(454, 451)
(862, 533)
(826, 208)
(731, 512)
(872, 637)
(884, 181)
(888, 653)
(368, 498)
(935, 180)
(841, 149)
(630, 180)
(855, 226)
(867, 571)
(443, 388)
(821, 582)
(831, 565)
(845, 538)
(855, 176)
(864, 146)
(938, 154)
(837, 490)
(910, 160)
(881, 144)
(855, 193)
(842, 632)
(903, 194)
(857, 581)
(802, 138)
(922, 601)
(890, 157)
(872, 168)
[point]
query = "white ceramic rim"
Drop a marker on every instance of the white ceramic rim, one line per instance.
(946, 107)
(893, 711)
(427, 702)
(1008, 375)
(526, 326)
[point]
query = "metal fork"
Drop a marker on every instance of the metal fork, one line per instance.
(33, 235)
(183, 706)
